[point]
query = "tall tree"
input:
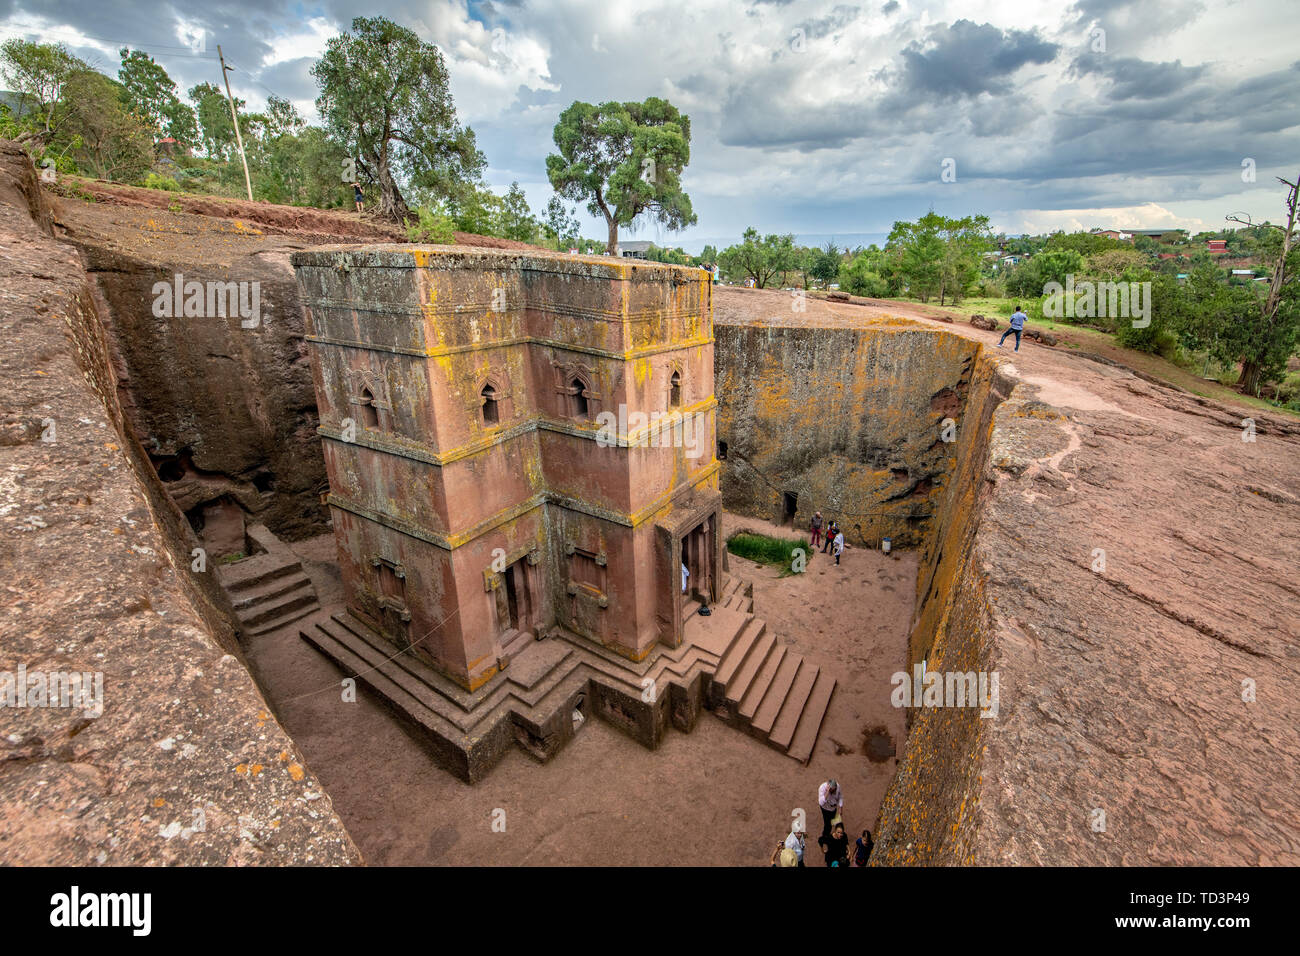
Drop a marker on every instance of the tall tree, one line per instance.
(216, 129)
(515, 219)
(760, 259)
(107, 139)
(624, 159)
(560, 222)
(384, 94)
(38, 73)
(152, 94)
(1270, 341)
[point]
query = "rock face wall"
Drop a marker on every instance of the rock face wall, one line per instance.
(178, 760)
(850, 420)
(931, 812)
(226, 412)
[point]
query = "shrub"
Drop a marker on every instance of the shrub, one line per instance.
(431, 225)
(154, 181)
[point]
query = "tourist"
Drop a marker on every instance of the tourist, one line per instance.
(795, 842)
(838, 546)
(831, 531)
(784, 856)
(685, 575)
(836, 846)
(816, 528)
(356, 195)
(1017, 324)
(831, 800)
(862, 849)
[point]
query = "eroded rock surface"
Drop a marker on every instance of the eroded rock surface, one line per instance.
(1126, 562)
(185, 764)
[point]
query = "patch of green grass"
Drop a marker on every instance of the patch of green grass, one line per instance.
(777, 552)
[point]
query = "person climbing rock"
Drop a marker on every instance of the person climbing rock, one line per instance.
(1017, 326)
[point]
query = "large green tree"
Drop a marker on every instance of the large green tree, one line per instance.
(105, 138)
(216, 128)
(38, 73)
(623, 160)
(152, 94)
(1268, 341)
(384, 94)
(759, 258)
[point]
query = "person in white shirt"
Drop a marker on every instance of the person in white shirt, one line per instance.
(838, 546)
(831, 800)
(685, 574)
(795, 842)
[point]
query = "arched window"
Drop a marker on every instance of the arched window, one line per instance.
(369, 414)
(579, 392)
(675, 390)
(491, 413)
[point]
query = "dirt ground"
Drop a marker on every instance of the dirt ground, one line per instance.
(714, 797)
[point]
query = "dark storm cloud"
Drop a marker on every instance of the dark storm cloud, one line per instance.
(966, 59)
(1131, 78)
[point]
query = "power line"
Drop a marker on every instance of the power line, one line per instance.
(186, 50)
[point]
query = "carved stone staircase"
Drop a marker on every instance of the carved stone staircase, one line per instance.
(751, 681)
(759, 684)
(268, 591)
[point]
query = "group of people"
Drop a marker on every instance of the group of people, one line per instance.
(834, 536)
(833, 841)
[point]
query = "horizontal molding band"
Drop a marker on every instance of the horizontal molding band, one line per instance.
(438, 350)
(450, 542)
(642, 438)
(614, 316)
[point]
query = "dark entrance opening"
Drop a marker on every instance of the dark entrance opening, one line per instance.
(697, 555)
(516, 610)
(789, 505)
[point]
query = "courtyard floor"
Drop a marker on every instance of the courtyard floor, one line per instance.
(711, 797)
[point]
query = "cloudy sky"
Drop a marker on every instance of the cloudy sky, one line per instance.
(817, 117)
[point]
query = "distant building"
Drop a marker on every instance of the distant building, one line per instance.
(1113, 234)
(1157, 233)
(634, 250)
(1217, 247)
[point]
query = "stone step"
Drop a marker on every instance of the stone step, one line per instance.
(251, 572)
(810, 722)
(792, 709)
(283, 620)
(758, 687)
(748, 671)
(264, 611)
(739, 649)
(774, 698)
(341, 645)
(267, 589)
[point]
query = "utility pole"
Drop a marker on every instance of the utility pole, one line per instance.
(235, 117)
